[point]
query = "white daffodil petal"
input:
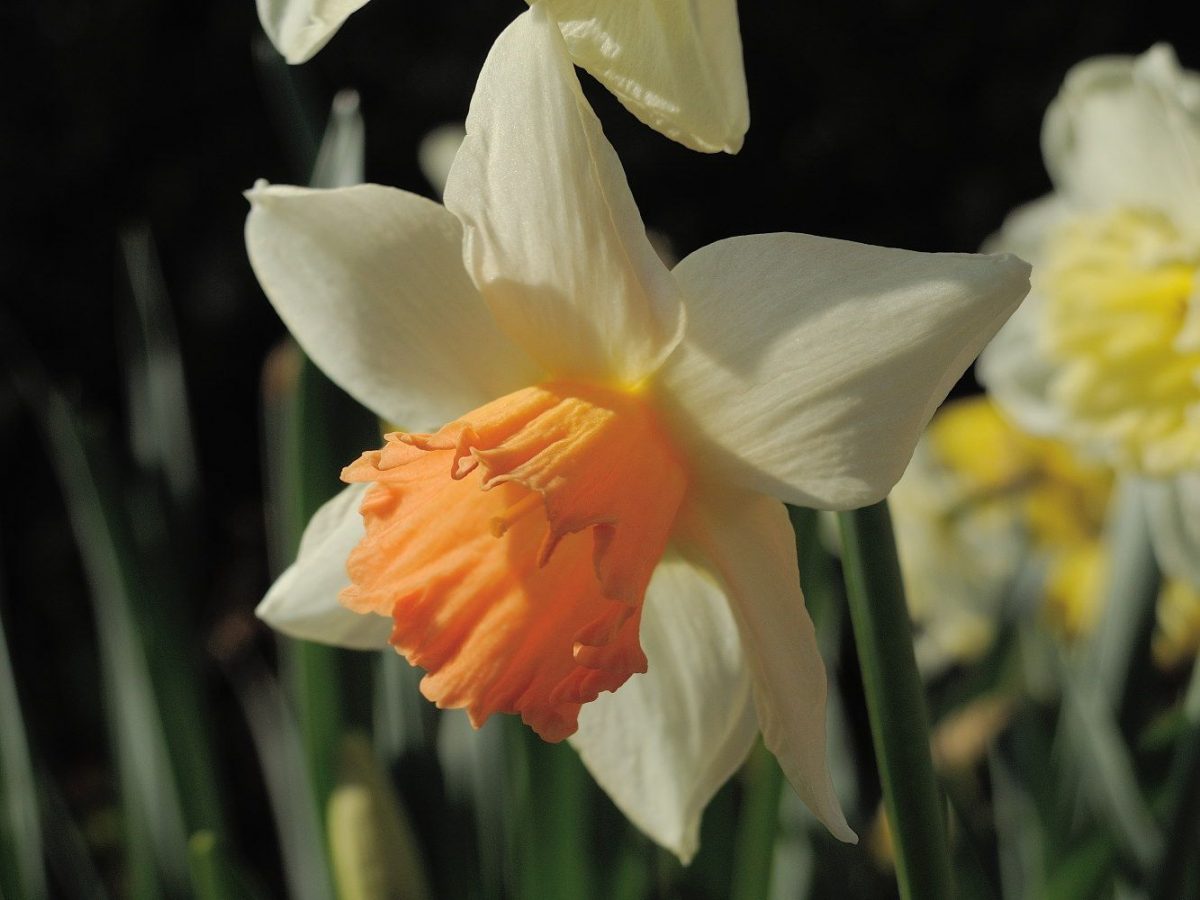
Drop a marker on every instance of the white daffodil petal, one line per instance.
(303, 601)
(554, 239)
(1125, 131)
(299, 28)
(1173, 512)
(675, 64)
(664, 743)
(746, 540)
(811, 365)
(370, 281)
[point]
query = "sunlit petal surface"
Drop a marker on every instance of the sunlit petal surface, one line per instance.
(553, 237)
(370, 281)
(811, 365)
(677, 66)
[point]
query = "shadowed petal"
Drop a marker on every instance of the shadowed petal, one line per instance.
(664, 743)
(746, 540)
(303, 601)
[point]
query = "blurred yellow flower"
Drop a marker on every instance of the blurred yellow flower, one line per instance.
(675, 64)
(614, 519)
(981, 507)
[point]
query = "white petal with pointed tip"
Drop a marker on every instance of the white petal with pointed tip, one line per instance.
(554, 240)
(370, 281)
(746, 540)
(303, 601)
(811, 365)
(675, 64)
(1125, 131)
(1173, 512)
(299, 28)
(664, 743)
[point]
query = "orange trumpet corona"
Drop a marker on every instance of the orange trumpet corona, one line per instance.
(477, 546)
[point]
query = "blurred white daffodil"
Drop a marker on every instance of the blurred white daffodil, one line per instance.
(1105, 354)
(649, 423)
(675, 64)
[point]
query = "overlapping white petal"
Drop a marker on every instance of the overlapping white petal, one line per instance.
(299, 28)
(746, 540)
(554, 239)
(675, 64)
(370, 281)
(1125, 132)
(811, 365)
(303, 601)
(664, 743)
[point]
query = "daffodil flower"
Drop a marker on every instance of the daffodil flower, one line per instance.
(675, 64)
(1105, 354)
(591, 430)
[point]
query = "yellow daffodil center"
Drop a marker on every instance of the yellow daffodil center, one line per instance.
(1121, 323)
(512, 548)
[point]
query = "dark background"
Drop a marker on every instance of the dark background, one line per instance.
(912, 124)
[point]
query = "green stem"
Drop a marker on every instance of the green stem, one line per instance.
(895, 703)
(757, 826)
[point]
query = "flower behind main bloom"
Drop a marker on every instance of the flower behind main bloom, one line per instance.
(618, 507)
(675, 64)
(1106, 353)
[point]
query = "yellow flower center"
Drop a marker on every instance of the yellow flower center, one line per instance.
(1120, 289)
(512, 548)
